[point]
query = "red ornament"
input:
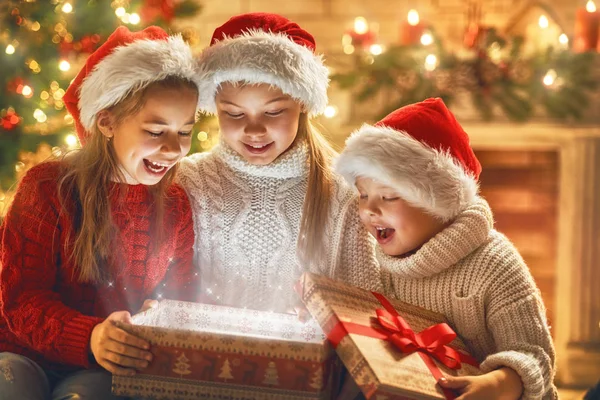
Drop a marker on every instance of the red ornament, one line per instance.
(157, 9)
(10, 120)
(362, 40)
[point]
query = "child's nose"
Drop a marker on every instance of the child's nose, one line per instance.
(255, 129)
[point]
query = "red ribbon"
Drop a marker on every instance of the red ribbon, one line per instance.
(430, 343)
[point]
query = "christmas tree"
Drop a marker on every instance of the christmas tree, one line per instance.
(271, 377)
(182, 365)
(226, 371)
(44, 43)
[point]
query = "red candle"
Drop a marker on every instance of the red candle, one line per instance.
(411, 30)
(587, 25)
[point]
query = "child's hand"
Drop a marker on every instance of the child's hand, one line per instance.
(117, 351)
(501, 384)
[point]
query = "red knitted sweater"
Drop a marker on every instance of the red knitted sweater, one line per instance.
(45, 314)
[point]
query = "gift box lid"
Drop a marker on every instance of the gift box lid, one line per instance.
(348, 316)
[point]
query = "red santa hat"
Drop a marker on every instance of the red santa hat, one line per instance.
(422, 152)
(125, 63)
(264, 48)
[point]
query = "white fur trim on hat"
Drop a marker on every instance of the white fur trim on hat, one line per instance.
(263, 57)
(424, 177)
(130, 68)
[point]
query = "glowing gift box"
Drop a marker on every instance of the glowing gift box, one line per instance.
(204, 351)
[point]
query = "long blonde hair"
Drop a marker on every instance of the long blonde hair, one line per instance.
(311, 241)
(88, 175)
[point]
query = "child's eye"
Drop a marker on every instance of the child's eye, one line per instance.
(188, 133)
(154, 134)
(390, 198)
(363, 196)
(274, 113)
(234, 115)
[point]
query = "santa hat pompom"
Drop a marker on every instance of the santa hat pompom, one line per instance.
(422, 152)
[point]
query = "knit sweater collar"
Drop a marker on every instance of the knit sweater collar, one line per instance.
(129, 194)
(468, 231)
(291, 164)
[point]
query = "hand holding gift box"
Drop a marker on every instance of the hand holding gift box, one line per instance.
(208, 351)
(390, 348)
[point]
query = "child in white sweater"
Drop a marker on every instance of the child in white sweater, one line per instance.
(265, 201)
(418, 182)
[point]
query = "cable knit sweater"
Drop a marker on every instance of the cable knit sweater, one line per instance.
(247, 222)
(475, 277)
(46, 314)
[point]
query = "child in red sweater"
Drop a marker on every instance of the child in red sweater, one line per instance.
(90, 237)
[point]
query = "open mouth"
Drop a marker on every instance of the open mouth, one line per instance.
(155, 167)
(384, 235)
(258, 148)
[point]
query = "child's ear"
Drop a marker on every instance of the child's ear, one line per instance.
(105, 123)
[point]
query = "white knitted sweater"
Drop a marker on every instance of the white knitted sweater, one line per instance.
(475, 277)
(247, 222)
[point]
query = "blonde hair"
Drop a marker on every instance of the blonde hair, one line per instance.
(87, 178)
(311, 240)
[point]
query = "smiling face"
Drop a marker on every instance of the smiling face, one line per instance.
(259, 122)
(398, 227)
(152, 140)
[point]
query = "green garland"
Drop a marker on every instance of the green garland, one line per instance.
(513, 82)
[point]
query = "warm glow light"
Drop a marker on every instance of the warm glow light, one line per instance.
(360, 25)
(426, 39)
(563, 39)
(10, 49)
(430, 62)
(202, 136)
(71, 140)
(120, 12)
(330, 112)
(413, 17)
(549, 78)
(348, 49)
(27, 91)
(590, 6)
(39, 115)
(376, 49)
(67, 8)
(543, 22)
(134, 19)
(64, 65)
(35, 26)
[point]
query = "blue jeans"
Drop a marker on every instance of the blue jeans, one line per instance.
(23, 379)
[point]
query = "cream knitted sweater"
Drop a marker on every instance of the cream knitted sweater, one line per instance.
(247, 221)
(475, 277)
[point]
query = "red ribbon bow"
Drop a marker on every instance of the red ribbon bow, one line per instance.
(431, 341)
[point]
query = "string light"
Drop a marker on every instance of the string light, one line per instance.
(10, 49)
(563, 39)
(431, 62)
(27, 91)
(71, 140)
(67, 8)
(590, 6)
(348, 49)
(39, 115)
(64, 65)
(549, 78)
(543, 22)
(413, 17)
(202, 136)
(376, 49)
(134, 19)
(426, 39)
(35, 26)
(330, 112)
(119, 12)
(360, 25)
